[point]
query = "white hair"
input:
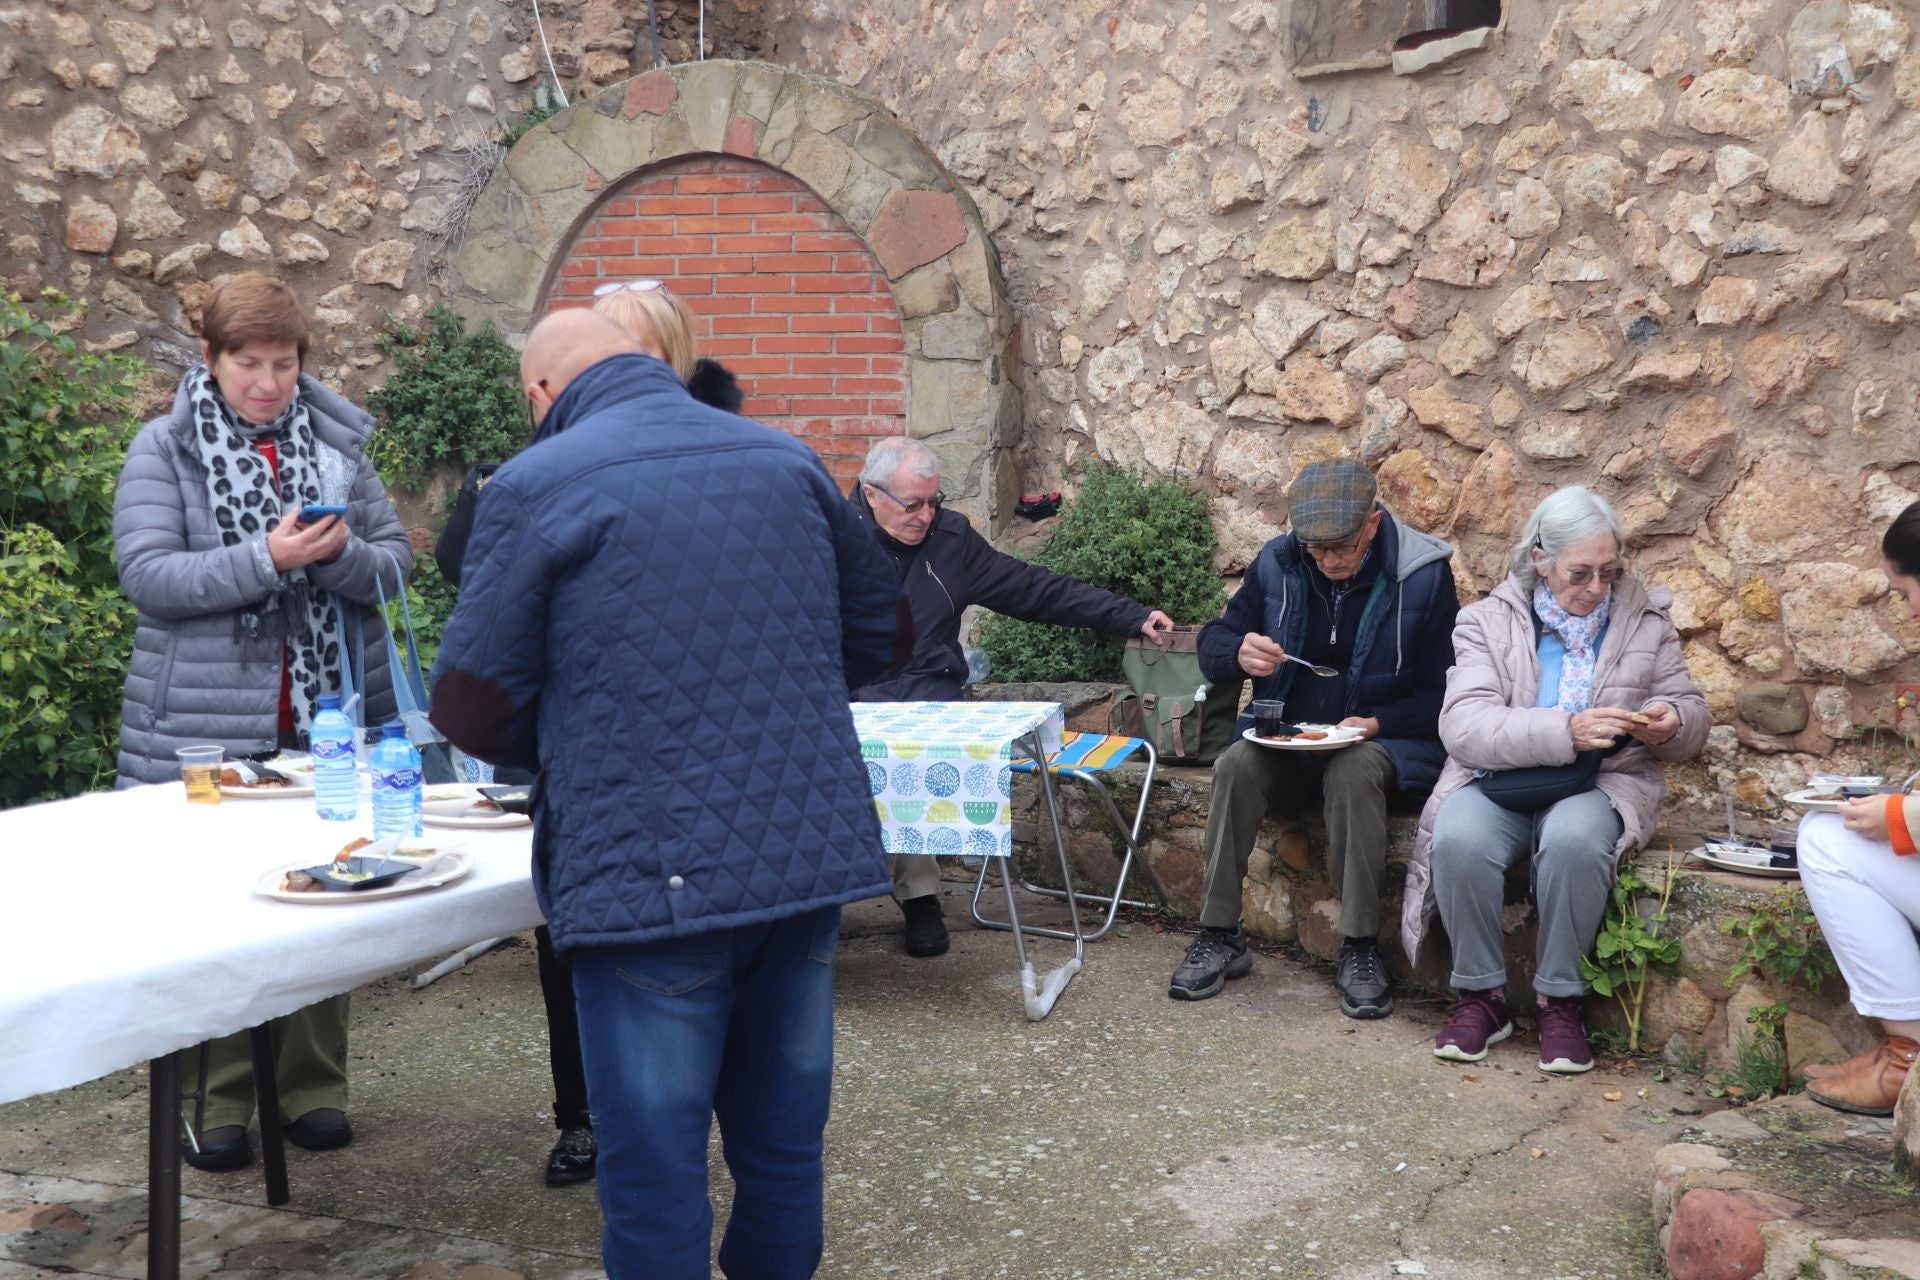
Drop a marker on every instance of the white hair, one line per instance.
(894, 452)
(1564, 517)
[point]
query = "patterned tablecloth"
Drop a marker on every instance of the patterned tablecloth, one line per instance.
(941, 772)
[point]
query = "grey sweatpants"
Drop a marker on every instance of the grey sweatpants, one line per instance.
(1475, 843)
(1250, 781)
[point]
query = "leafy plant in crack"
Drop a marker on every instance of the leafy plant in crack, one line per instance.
(453, 398)
(1629, 945)
(1781, 944)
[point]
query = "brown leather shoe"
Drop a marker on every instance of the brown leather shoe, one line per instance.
(1873, 1086)
(1831, 1070)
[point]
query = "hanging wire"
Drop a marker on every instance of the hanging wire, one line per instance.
(653, 29)
(703, 30)
(552, 73)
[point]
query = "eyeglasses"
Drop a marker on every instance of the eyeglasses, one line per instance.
(1322, 550)
(533, 421)
(631, 286)
(1582, 576)
(918, 504)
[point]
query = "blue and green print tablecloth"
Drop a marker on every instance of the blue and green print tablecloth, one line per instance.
(941, 772)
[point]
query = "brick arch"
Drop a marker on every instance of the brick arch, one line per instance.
(790, 299)
(913, 238)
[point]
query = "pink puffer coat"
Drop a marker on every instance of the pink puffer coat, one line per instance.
(1489, 720)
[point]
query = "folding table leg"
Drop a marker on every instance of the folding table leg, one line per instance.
(1041, 995)
(163, 1168)
(266, 1093)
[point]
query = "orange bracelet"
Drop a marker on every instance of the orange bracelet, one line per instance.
(1897, 827)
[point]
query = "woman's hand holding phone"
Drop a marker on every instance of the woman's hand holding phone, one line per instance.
(295, 543)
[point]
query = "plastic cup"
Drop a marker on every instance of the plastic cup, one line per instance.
(200, 770)
(1269, 717)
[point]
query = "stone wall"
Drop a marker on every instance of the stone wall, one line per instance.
(153, 146)
(1663, 247)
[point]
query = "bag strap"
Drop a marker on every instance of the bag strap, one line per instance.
(409, 687)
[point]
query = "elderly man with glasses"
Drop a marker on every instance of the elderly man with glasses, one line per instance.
(945, 566)
(1354, 589)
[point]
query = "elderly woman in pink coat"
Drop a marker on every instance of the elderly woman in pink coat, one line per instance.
(1571, 672)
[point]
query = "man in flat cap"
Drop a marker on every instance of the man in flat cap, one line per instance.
(1350, 587)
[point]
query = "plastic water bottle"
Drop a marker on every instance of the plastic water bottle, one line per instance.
(979, 664)
(336, 775)
(396, 784)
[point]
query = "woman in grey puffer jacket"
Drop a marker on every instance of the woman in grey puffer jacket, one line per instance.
(243, 614)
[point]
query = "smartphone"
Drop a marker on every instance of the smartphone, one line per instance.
(314, 512)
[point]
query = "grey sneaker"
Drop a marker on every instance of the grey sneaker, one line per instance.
(1212, 958)
(1365, 990)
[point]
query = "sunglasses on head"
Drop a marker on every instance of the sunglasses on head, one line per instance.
(631, 286)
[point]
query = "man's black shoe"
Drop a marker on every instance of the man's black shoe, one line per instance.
(321, 1129)
(926, 928)
(221, 1149)
(573, 1157)
(1212, 958)
(1365, 990)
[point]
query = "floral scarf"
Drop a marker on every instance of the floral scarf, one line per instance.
(245, 506)
(1581, 637)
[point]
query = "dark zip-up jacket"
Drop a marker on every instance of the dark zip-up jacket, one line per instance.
(1398, 674)
(954, 567)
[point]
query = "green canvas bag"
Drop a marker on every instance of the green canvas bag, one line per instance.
(1171, 705)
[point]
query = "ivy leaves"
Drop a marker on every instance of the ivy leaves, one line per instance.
(453, 399)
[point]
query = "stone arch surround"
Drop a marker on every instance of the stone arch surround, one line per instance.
(846, 149)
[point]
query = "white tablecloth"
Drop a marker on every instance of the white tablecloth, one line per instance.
(129, 928)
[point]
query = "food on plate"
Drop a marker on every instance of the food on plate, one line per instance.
(352, 848)
(1311, 735)
(443, 797)
(300, 882)
(1824, 797)
(485, 807)
(242, 774)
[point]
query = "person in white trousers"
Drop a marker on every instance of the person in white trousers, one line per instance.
(1861, 870)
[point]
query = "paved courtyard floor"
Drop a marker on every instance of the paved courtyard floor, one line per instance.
(1258, 1133)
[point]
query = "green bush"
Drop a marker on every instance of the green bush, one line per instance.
(453, 398)
(1148, 539)
(65, 628)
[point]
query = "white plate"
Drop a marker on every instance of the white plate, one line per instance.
(1720, 863)
(1803, 799)
(456, 864)
(454, 810)
(1337, 737)
(266, 793)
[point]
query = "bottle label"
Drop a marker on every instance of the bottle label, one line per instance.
(398, 780)
(332, 748)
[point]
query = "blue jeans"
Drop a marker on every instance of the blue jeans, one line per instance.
(736, 1024)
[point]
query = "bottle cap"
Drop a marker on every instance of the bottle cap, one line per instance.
(329, 702)
(393, 729)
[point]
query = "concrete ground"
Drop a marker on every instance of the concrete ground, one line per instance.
(1126, 1136)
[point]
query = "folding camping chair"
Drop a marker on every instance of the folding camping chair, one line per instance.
(1083, 757)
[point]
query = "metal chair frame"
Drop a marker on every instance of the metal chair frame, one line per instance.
(1078, 899)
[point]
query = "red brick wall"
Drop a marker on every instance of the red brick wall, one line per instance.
(791, 299)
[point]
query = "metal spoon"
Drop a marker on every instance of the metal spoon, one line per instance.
(1314, 667)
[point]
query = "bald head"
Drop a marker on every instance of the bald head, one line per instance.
(565, 345)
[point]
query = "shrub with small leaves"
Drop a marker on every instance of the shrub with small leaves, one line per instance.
(452, 399)
(65, 627)
(1145, 538)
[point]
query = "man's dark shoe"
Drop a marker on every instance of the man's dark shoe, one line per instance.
(1365, 990)
(1212, 958)
(926, 929)
(573, 1157)
(221, 1149)
(321, 1129)
(1479, 1020)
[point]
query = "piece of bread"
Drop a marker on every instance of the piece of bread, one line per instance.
(1639, 717)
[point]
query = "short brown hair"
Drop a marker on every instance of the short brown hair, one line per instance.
(252, 307)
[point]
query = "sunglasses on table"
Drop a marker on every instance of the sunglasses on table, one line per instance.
(629, 286)
(918, 504)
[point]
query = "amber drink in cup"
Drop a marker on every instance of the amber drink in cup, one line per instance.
(200, 770)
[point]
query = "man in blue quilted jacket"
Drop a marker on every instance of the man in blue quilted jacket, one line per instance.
(665, 608)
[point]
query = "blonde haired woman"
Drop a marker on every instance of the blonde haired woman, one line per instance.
(656, 318)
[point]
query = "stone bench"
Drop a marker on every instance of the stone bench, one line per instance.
(1693, 1012)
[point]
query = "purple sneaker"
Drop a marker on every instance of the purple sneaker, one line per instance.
(1479, 1020)
(1563, 1036)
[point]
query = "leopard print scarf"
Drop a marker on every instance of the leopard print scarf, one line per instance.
(246, 506)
